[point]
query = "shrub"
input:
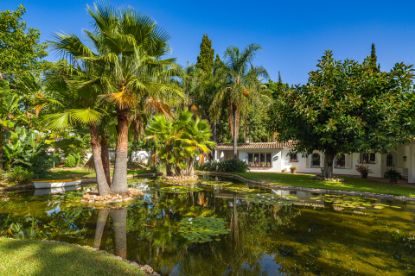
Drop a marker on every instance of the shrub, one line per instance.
(392, 175)
(19, 175)
(233, 165)
(293, 169)
(363, 170)
(71, 161)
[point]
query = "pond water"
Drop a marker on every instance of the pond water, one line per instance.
(225, 228)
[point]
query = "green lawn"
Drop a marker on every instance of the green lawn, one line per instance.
(68, 173)
(349, 184)
(28, 257)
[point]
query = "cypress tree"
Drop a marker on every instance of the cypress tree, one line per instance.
(205, 58)
(373, 59)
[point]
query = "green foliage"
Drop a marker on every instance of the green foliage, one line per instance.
(180, 189)
(179, 140)
(205, 58)
(27, 149)
(240, 88)
(232, 165)
(72, 160)
(347, 106)
(19, 47)
(19, 175)
(202, 229)
(393, 175)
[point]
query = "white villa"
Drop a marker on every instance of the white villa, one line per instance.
(276, 157)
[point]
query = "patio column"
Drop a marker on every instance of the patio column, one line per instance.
(411, 164)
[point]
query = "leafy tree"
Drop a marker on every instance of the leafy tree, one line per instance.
(20, 58)
(20, 49)
(241, 86)
(179, 140)
(347, 107)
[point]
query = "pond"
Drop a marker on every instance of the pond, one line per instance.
(226, 228)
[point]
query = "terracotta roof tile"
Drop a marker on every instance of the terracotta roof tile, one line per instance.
(259, 145)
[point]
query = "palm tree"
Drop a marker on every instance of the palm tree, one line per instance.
(132, 45)
(77, 89)
(242, 85)
(179, 140)
(127, 54)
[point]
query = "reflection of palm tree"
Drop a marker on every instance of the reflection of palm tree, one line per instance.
(99, 230)
(119, 220)
(235, 223)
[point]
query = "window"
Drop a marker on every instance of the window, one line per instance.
(315, 160)
(340, 161)
(259, 160)
(368, 158)
(293, 157)
(389, 160)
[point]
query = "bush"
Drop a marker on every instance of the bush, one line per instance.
(233, 165)
(19, 175)
(71, 161)
(363, 170)
(392, 175)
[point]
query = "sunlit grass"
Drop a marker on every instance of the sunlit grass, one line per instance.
(349, 184)
(28, 257)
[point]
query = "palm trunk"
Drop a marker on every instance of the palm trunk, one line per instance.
(235, 135)
(119, 182)
(1, 149)
(99, 230)
(102, 183)
(119, 220)
(106, 158)
(328, 164)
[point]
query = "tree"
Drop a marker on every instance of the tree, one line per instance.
(20, 50)
(77, 90)
(347, 107)
(20, 57)
(179, 140)
(241, 86)
(206, 56)
(132, 46)
(127, 50)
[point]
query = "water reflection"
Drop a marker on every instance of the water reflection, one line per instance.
(270, 233)
(119, 224)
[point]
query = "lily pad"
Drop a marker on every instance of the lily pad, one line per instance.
(180, 189)
(202, 229)
(240, 189)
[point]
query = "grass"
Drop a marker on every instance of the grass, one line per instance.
(349, 184)
(69, 173)
(29, 257)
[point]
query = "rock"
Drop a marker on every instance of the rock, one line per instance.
(147, 269)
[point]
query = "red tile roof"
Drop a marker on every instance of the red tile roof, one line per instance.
(259, 145)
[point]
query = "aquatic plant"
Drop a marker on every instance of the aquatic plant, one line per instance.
(202, 229)
(240, 189)
(180, 189)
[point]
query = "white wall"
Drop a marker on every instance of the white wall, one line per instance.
(281, 162)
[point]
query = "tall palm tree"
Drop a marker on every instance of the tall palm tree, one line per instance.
(242, 85)
(127, 50)
(132, 45)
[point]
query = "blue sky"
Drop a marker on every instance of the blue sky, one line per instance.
(293, 34)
